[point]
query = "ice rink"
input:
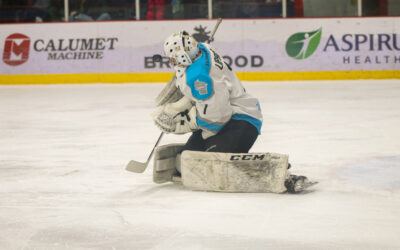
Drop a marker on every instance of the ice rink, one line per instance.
(63, 150)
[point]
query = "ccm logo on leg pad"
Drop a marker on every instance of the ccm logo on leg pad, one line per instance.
(249, 157)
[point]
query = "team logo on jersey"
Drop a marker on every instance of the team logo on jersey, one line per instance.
(303, 44)
(201, 87)
(16, 49)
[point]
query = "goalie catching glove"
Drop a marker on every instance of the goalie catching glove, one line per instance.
(178, 117)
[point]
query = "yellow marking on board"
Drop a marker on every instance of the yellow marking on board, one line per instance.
(165, 77)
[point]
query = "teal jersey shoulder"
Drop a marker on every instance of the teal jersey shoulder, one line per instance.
(198, 75)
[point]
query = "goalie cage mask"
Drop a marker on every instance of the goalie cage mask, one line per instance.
(181, 49)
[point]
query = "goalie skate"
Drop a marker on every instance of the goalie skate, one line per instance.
(298, 183)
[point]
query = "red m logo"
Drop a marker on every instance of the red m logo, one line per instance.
(16, 49)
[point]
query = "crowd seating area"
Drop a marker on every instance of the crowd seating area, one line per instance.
(25, 11)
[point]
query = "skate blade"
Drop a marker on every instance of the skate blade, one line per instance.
(303, 185)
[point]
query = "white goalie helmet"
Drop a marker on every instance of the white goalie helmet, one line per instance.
(181, 49)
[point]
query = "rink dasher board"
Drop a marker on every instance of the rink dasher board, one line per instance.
(337, 48)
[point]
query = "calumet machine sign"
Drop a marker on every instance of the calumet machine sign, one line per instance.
(262, 49)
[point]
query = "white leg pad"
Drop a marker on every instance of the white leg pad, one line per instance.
(230, 172)
(165, 162)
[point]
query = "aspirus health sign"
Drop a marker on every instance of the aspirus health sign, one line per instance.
(348, 49)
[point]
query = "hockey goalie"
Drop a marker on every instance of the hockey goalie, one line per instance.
(206, 98)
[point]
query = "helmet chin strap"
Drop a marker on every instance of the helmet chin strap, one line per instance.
(197, 56)
(179, 70)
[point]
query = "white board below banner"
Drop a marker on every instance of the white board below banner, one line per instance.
(262, 49)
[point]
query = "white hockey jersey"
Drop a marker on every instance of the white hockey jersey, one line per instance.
(218, 94)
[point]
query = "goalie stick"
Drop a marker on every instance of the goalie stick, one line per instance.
(215, 30)
(140, 167)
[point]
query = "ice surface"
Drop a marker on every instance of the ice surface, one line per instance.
(63, 149)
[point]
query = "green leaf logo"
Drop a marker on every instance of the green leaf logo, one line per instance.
(303, 44)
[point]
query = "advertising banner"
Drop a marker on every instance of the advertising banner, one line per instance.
(259, 46)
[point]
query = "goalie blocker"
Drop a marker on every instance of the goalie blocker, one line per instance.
(221, 172)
